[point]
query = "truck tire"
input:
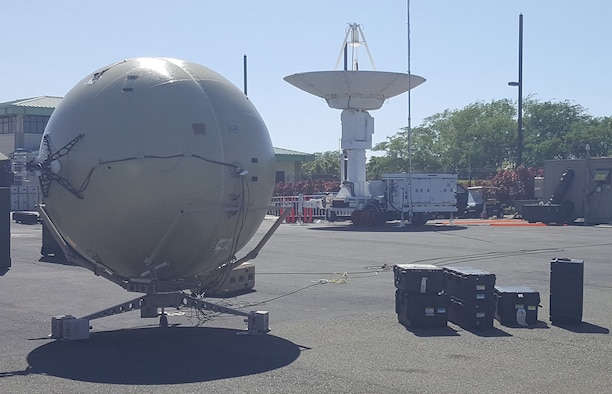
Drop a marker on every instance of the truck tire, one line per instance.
(419, 219)
(358, 218)
(373, 216)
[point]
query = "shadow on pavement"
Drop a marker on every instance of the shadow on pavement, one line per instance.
(583, 328)
(492, 332)
(433, 332)
(157, 356)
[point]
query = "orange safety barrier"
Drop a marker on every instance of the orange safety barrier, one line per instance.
(291, 216)
(307, 216)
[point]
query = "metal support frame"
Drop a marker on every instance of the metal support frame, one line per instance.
(159, 295)
(149, 306)
(257, 321)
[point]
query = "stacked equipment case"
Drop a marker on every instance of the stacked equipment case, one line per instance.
(516, 306)
(419, 299)
(430, 296)
(566, 290)
(471, 297)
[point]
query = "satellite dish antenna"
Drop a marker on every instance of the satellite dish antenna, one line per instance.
(355, 92)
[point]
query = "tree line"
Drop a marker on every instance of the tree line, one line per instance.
(479, 143)
(480, 139)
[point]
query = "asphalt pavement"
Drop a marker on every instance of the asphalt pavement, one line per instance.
(330, 293)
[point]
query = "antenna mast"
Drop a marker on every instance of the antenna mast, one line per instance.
(353, 38)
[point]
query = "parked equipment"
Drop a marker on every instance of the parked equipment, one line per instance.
(421, 310)
(482, 202)
(516, 305)
(566, 290)
(419, 299)
(557, 209)
(471, 314)
(414, 197)
(356, 91)
(176, 121)
(471, 291)
(25, 217)
(419, 278)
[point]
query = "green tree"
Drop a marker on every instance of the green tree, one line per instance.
(596, 133)
(477, 138)
(326, 166)
(480, 139)
(552, 130)
(395, 159)
(472, 142)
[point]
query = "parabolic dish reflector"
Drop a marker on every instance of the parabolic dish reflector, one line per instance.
(366, 90)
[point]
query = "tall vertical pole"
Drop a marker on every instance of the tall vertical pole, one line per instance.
(519, 135)
(409, 129)
(410, 213)
(244, 66)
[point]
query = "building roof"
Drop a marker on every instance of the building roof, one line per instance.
(37, 102)
(41, 105)
(292, 155)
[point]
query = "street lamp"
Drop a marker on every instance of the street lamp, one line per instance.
(519, 84)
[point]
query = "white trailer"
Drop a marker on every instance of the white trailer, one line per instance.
(413, 197)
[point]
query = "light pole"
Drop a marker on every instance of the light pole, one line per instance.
(519, 134)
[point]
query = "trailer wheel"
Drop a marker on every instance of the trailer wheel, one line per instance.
(419, 219)
(381, 219)
(358, 218)
(373, 216)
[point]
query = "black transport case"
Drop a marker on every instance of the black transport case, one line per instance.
(566, 290)
(421, 310)
(516, 306)
(419, 278)
(469, 284)
(471, 314)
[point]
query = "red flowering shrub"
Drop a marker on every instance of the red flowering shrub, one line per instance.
(307, 187)
(514, 184)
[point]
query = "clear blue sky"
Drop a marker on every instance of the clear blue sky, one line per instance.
(467, 51)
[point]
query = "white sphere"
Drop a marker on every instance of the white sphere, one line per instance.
(175, 165)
